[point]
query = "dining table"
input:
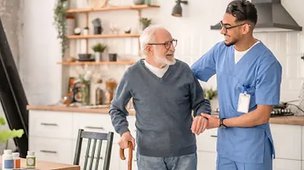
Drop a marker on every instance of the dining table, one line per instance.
(47, 165)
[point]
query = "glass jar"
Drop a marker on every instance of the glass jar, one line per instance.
(85, 93)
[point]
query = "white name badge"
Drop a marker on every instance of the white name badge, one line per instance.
(243, 104)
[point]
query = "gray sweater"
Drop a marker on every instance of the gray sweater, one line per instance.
(163, 109)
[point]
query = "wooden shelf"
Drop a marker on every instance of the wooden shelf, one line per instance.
(103, 36)
(111, 8)
(75, 63)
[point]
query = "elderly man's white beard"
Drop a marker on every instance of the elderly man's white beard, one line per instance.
(164, 60)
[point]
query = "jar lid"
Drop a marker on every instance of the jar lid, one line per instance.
(7, 151)
(16, 154)
(30, 153)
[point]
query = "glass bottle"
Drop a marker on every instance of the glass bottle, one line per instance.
(17, 161)
(85, 93)
(7, 160)
(30, 160)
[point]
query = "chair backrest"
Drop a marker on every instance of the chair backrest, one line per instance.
(93, 142)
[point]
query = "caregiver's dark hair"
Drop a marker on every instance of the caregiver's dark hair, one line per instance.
(242, 10)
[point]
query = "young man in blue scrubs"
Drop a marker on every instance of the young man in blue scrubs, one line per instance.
(248, 79)
(164, 93)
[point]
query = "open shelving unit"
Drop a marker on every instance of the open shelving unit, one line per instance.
(103, 36)
(78, 63)
(111, 8)
(87, 11)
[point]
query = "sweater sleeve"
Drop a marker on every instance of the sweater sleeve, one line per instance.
(198, 102)
(118, 111)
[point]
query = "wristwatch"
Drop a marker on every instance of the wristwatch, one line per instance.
(222, 125)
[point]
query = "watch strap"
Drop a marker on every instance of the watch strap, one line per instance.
(222, 123)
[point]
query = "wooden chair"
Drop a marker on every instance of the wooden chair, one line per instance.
(93, 143)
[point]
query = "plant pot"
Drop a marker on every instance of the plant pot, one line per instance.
(85, 57)
(138, 2)
(98, 56)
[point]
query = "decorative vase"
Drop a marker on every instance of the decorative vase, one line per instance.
(98, 30)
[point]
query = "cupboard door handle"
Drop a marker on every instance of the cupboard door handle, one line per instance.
(213, 136)
(49, 124)
(48, 151)
(94, 127)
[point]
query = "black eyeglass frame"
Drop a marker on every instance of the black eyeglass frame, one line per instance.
(230, 27)
(166, 44)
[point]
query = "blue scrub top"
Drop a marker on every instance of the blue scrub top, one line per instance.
(259, 74)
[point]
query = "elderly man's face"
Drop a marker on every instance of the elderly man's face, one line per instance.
(164, 53)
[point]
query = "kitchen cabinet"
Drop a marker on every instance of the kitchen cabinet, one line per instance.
(50, 136)
(285, 164)
(53, 134)
(206, 160)
(288, 142)
(206, 149)
(288, 146)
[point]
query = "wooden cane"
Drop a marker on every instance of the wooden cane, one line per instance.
(130, 157)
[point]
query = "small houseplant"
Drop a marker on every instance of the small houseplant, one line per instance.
(98, 49)
(210, 94)
(5, 135)
(145, 22)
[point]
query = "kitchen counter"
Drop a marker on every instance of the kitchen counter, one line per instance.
(104, 109)
(288, 120)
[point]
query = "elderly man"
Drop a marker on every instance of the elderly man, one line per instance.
(164, 93)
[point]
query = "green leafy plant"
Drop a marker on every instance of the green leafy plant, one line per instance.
(60, 22)
(145, 22)
(8, 134)
(210, 93)
(99, 47)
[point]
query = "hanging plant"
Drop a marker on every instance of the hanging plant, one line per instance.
(60, 23)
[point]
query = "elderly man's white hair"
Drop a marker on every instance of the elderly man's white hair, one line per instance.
(148, 36)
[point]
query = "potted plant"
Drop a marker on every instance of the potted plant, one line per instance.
(98, 49)
(145, 22)
(211, 95)
(60, 22)
(8, 134)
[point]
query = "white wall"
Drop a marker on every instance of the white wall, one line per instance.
(41, 75)
(40, 52)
